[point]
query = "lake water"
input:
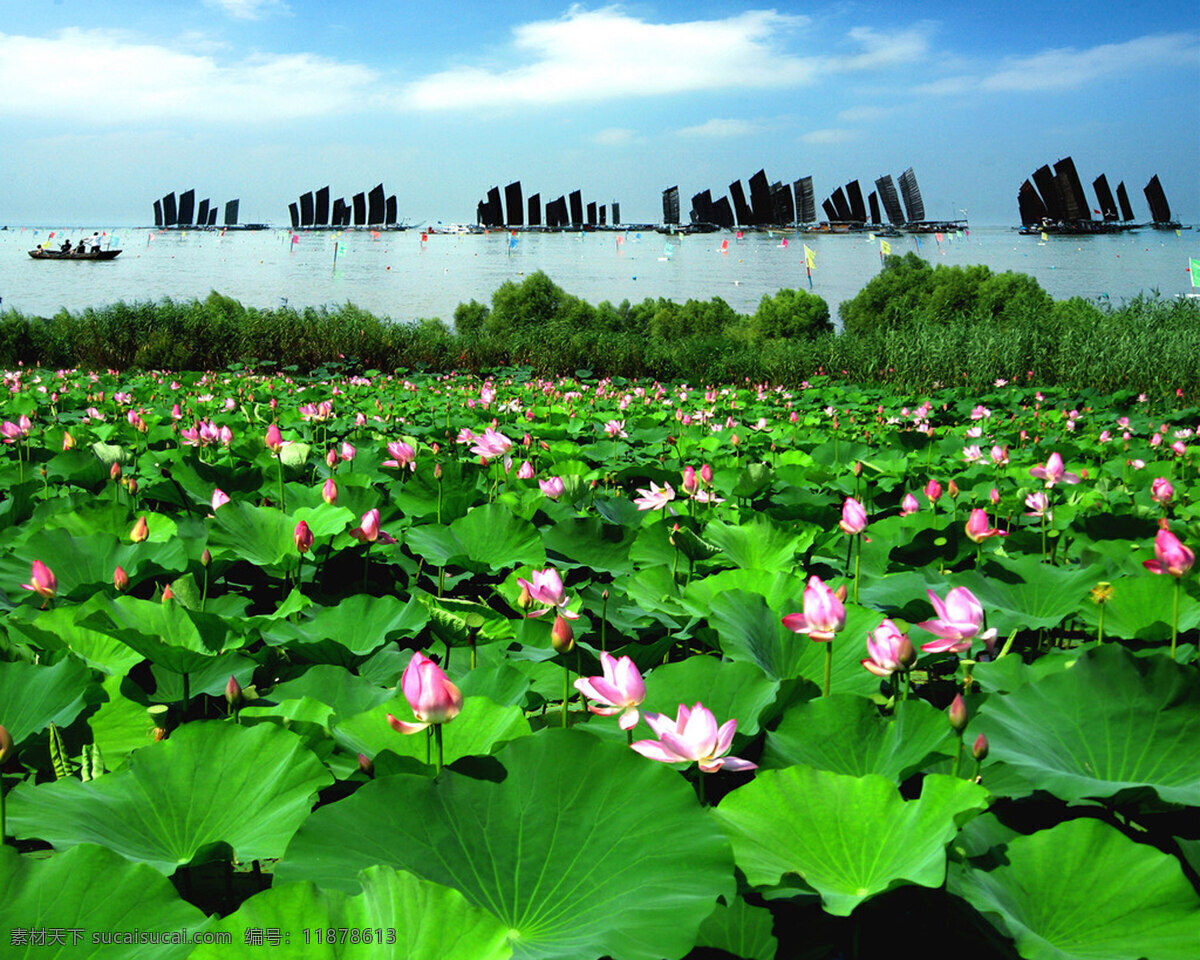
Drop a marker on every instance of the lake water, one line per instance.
(399, 276)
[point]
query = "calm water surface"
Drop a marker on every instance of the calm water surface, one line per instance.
(399, 276)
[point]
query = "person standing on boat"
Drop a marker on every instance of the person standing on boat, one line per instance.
(95, 243)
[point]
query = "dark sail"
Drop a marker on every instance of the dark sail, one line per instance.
(1123, 200)
(187, 206)
(873, 203)
(591, 213)
(1108, 206)
(158, 216)
(360, 209)
(603, 214)
(857, 210)
(170, 216)
(616, 212)
(840, 206)
(1033, 211)
(1160, 210)
(390, 211)
(340, 214)
(493, 209)
(722, 213)
(1051, 196)
(535, 210)
(321, 212)
(375, 206)
(202, 213)
(890, 199)
(556, 212)
(481, 213)
(514, 204)
(231, 213)
(760, 198)
(830, 212)
(741, 209)
(294, 211)
(306, 209)
(1072, 190)
(911, 195)
(212, 216)
(575, 198)
(806, 201)
(702, 208)
(671, 205)
(783, 210)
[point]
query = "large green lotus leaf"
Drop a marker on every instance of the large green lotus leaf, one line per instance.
(435, 544)
(494, 537)
(168, 634)
(33, 696)
(741, 930)
(346, 693)
(1082, 890)
(95, 890)
(477, 731)
(324, 520)
(731, 690)
(589, 542)
(1111, 722)
(1141, 608)
(419, 920)
(779, 588)
(262, 535)
(567, 850)
(749, 630)
(121, 725)
(361, 623)
(849, 838)
(1034, 595)
(847, 734)
(211, 783)
(761, 543)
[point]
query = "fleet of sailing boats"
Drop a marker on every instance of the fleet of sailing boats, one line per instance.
(1054, 203)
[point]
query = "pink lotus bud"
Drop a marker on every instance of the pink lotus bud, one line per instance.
(1170, 556)
(219, 499)
(368, 529)
(552, 487)
(140, 531)
(854, 517)
(303, 537)
(1161, 491)
(348, 452)
(365, 764)
(691, 483)
(331, 458)
(889, 650)
(977, 526)
(6, 745)
(274, 438)
(957, 713)
(525, 472)
(120, 580)
(329, 492)
(68, 441)
(114, 472)
(952, 489)
(909, 505)
(131, 485)
(823, 615)
(933, 491)
(233, 693)
(437, 470)
(706, 474)
(562, 637)
(205, 557)
(994, 496)
(168, 593)
(430, 694)
(42, 581)
(980, 750)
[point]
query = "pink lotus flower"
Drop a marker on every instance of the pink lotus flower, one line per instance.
(219, 499)
(493, 444)
(1161, 491)
(691, 483)
(999, 455)
(977, 526)
(889, 649)
(823, 616)
(854, 517)
(303, 537)
(1039, 505)
(692, 736)
(552, 487)
(615, 429)
(273, 439)
(430, 694)
(656, 498)
(525, 471)
(621, 690)
(933, 491)
(547, 587)
(368, 529)
(1053, 471)
(42, 581)
(959, 620)
(909, 505)
(1170, 556)
(402, 456)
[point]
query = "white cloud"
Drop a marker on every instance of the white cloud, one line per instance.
(882, 50)
(103, 78)
(829, 135)
(719, 128)
(606, 54)
(247, 9)
(865, 114)
(615, 137)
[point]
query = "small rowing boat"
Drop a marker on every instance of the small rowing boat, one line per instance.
(39, 254)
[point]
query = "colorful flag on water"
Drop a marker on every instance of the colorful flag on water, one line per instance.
(739, 235)
(783, 243)
(1194, 266)
(724, 246)
(1045, 236)
(295, 238)
(810, 257)
(512, 242)
(669, 249)
(938, 237)
(884, 248)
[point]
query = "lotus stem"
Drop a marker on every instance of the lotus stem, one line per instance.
(566, 693)
(857, 563)
(957, 755)
(279, 473)
(828, 667)
(700, 787)
(1175, 616)
(437, 736)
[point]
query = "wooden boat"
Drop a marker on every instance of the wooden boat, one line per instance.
(39, 254)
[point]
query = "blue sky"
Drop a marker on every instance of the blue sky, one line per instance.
(107, 104)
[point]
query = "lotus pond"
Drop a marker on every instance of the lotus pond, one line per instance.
(440, 667)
